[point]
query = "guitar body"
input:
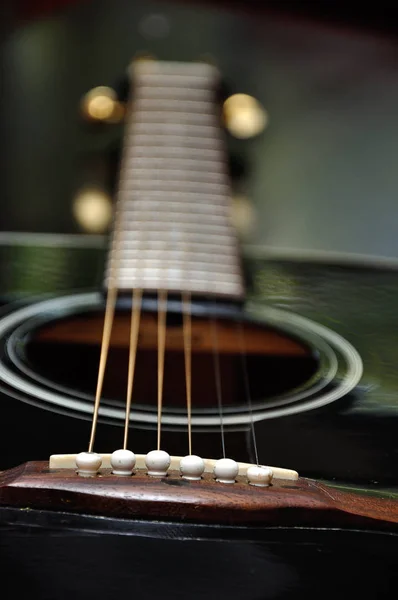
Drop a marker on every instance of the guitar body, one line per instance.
(96, 558)
(351, 441)
(177, 538)
(300, 373)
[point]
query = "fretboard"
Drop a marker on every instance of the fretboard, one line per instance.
(172, 224)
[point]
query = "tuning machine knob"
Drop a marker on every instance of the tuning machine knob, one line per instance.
(101, 105)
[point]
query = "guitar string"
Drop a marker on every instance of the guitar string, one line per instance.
(162, 314)
(216, 354)
(107, 329)
(106, 335)
(217, 375)
(186, 301)
(136, 306)
(136, 298)
(187, 333)
(134, 331)
(110, 302)
(246, 383)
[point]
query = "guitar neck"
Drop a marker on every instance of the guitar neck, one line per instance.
(172, 228)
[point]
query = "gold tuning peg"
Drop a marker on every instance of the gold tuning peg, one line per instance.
(244, 116)
(101, 105)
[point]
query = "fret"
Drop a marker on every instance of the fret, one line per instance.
(160, 279)
(165, 174)
(175, 128)
(172, 219)
(194, 238)
(146, 214)
(169, 171)
(172, 80)
(164, 77)
(171, 162)
(174, 74)
(158, 267)
(143, 105)
(201, 257)
(163, 278)
(191, 253)
(153, 152)
(186, 93)
(145, 221)
(134, 185)
(191, 228)
(200, 249)
(151, 202)
(185, 118)
(177, 140)
(198, 246)
(195, 199)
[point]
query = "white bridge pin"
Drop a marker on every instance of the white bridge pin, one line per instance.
(259, 475)
(192, 467)
(157, 463)
(123, 462)
(88, 464)
(226, 470)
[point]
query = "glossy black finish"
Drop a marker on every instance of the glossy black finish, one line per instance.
(90, 558)
(353, 440)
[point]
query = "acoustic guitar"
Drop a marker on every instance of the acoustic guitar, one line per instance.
(176, 498)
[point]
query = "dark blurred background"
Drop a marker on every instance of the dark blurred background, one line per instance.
(319, 179)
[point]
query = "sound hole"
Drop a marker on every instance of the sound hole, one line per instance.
(67, 353)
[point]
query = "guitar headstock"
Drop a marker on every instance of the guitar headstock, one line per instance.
(242, 115)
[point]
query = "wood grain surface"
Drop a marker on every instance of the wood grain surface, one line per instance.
(87, 329)
(285, 503)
